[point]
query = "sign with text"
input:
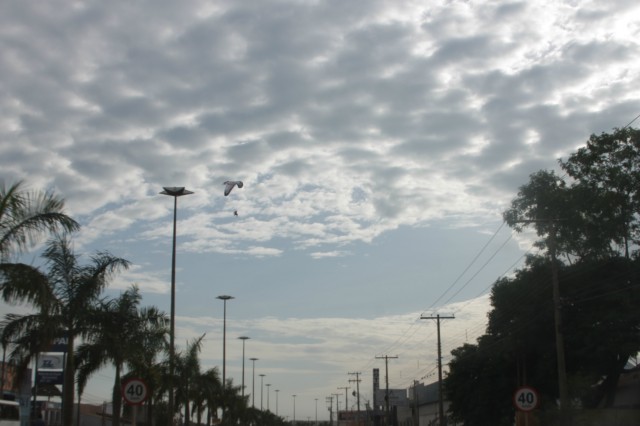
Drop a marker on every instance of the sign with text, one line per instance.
(59, 344)
(49, 378)
(134, 391)
(526, 398)
(397, 397)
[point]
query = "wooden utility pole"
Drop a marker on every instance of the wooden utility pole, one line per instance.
(386, 374)
(357, 381)
(329, 399)
(438, 317)
(337, 395)
(346, 397)
(557, 311)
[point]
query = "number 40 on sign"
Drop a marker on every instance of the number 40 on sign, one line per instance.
(526, 398)
(134, 391)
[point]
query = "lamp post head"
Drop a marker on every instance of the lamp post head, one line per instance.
(243, 337)
(175, 191)
(224, 297)
(253, 359)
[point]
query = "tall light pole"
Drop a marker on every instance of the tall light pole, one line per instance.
(175, 192)
(268, 385)
(261, 388)
(244, 339)
(224, 299)
(276, 391)
(316, 411)
(253, 391)
(294, 410)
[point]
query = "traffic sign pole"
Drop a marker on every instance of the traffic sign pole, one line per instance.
(526, 399)
(134, 391)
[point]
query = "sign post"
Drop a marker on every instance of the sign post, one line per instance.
(526, 399)
(134, 392)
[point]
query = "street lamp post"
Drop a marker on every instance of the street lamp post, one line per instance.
(253, 385)
(268, 385)
(175, 192)
(261, 388)
(224, 299)
(276, 391)
(244, 339)
(294, 410)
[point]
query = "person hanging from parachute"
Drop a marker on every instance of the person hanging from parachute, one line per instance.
(228, 186)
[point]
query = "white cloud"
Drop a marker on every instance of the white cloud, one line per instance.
(359, 128)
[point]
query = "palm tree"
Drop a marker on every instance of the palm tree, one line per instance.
(144, 364)
(187, 369)
(235, 406)
(207, 392)
(104, 344)
(64, 297)
(26, 215)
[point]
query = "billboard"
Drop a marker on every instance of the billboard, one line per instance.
(397, 397)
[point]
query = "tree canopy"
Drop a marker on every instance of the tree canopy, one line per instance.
(587, 219)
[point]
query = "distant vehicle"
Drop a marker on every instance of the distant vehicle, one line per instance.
(9, 413)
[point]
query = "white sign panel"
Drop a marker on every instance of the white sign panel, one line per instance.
(54, 361)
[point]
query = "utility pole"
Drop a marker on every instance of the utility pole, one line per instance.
(386, 373)
(416, 399)
(329, 399)
(557, 311)
(337, 395)
(357, 381)
(438, 317)
(346, 397)
(557, 305)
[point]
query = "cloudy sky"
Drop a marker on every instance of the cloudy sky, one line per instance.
(378, 142)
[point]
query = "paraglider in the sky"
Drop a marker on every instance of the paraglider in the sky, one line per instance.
(235, 212)
(228, 186)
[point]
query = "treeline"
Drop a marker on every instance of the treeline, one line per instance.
(67, 300)
(587, 221)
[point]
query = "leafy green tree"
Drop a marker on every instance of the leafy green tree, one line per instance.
(590, 221)
(104, 343)
(607, 174)
(600, 302)
(26, 215)
(64, 299)
(600, 315)
(547, 205)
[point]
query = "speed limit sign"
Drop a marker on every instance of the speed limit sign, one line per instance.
(134, 391)
(526, 398)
